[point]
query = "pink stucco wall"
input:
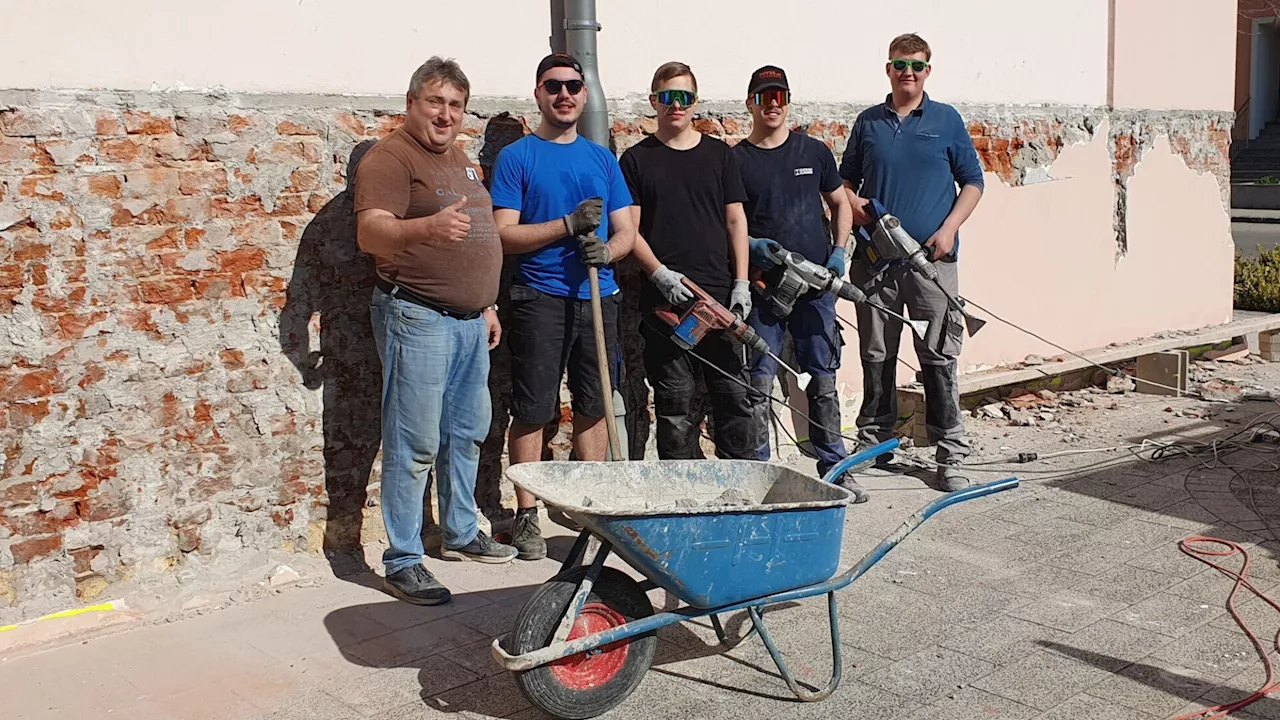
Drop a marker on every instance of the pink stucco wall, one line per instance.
(1175, 54)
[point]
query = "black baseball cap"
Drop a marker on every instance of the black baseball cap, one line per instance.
(769, 76)
(555, 60)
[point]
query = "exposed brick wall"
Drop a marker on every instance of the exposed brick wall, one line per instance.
(186, 365)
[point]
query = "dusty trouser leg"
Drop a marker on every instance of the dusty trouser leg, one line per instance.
(939, 352)
(671, 375)
(818, 345)
(879, 337)
(735, 434)
(763, 370)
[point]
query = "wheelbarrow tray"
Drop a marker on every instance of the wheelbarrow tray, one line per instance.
(661, 518)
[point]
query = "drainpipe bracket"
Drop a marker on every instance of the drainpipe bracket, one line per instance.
(571, 25)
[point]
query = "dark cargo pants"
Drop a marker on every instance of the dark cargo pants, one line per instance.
(879, 337)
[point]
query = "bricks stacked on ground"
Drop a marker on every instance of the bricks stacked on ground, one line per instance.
(186, 365)
(1269, 346)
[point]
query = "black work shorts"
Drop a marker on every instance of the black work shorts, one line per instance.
(548, 334)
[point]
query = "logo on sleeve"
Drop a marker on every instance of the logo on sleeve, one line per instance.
(472, 175)
(803, 171)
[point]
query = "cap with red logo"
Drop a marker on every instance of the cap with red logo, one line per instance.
(769, 76)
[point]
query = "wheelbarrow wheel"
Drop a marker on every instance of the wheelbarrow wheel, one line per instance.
(588, 684)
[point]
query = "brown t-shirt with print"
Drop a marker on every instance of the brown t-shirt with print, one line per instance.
(401, 176)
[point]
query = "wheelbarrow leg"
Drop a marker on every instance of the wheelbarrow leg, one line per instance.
(584, 591)
(715, 624)
(837, 668)
(576, 552)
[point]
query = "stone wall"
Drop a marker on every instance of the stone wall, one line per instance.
(186, 366)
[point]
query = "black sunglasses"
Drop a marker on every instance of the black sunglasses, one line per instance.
(553, 86)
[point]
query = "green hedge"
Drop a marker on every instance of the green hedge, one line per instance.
(1258, 281)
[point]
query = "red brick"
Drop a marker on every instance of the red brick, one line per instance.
(289, 127)
(36, 522)
(165, 291)
(352, 123)
(28, 250)
(25, 415)
(82, 558)
(39, 277)
(207, 181)
(105, 506)
(241, 261)
(317, 201)
(237, 123)
(14, 150)
(108, 124)
(168, 240)
(144, 123)
(304, 180)
(28, 550)
(120, 150)
(386, 123)
(267, 286)
(40, 186)
(73, 325)
(10, 276)
(218, 287)
(93, 372)
(250, 206)
(30, 385)
(282, 516)
(20, 494)
(289, 206)
(75, 270)
(232, 359)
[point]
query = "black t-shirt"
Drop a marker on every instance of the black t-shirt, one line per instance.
(783, 193)
(682, 196)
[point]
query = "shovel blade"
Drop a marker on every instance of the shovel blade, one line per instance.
(973, 324)
(803, 380)
(919, 327)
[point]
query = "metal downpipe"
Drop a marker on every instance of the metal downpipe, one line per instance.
(580, 28)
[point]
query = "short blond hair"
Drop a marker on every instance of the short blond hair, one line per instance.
(909, 44)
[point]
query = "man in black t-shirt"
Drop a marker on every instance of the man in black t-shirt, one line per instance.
(687, 200)
(787, 176)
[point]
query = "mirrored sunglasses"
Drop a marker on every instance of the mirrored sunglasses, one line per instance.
(915, 65)
(772, 95)
(686, 98)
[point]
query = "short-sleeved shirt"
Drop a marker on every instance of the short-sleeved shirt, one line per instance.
(400, 175)
(784, 193)
(546, 180)
(913, 164)
(682, 196)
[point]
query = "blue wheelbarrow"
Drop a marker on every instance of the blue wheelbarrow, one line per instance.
(719, 535)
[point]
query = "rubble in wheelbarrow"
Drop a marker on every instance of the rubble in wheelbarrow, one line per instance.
(731, 497)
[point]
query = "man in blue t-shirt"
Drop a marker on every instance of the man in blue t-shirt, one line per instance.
(787, 177)
(910, 153)
(551, 190)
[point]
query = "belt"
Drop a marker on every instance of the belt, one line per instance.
(398, 291)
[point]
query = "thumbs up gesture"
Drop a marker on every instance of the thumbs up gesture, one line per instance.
(450, 224)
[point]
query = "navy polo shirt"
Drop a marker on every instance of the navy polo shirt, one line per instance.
(912, 165)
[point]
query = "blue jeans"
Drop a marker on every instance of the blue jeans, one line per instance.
(435, 411)
(815, 336)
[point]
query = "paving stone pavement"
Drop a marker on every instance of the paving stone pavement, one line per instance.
(1065, 598)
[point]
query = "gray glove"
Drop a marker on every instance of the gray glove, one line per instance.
(671, 284)
(740, 299)
(586, 217)
(593, 250)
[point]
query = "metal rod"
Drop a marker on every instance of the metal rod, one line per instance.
(576, 552)
(837, 661)
(580, 597)
(861, 458)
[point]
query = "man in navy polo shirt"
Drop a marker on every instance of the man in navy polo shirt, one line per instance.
(911, 153)
(787, 176)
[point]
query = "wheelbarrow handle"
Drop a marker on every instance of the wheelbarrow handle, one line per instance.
(860, 458)
(913, 522)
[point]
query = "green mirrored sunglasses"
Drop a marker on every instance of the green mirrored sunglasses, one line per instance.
(686, 98)
(915, 65)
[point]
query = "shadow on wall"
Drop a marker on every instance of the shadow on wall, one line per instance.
(332, 281)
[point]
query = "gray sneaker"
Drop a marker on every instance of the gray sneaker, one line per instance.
(527, 537)
(482, 549)
(950, 477)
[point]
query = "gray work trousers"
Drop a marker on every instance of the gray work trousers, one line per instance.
(879, 337)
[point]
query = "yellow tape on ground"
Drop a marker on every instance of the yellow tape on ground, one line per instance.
(102, 607)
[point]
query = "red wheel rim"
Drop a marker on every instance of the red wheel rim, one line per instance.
(594, 668)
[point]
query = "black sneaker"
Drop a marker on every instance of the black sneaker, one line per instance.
(527, 537)
(415, 584)
(482, 549)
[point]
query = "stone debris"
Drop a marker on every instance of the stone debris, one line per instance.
(1119, 385)
(1220, 391)
(284, 575)
(994, 410)
(1033, 360)
(1022, 418)
(1048, 395)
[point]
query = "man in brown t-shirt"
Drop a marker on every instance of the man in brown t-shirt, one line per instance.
(428, 221)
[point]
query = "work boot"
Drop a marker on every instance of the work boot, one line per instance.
(847, 482)
(950, 477)
(527, 537)
(415, 584)
(482, 549)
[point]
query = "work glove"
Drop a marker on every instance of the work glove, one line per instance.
(586, 217)
(671, 284)
(593, 250)
(836, 262)
(740, 299)
(762, 251)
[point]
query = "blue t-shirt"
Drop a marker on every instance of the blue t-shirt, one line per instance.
(912, 165)
(784, 193)
(545, 181)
